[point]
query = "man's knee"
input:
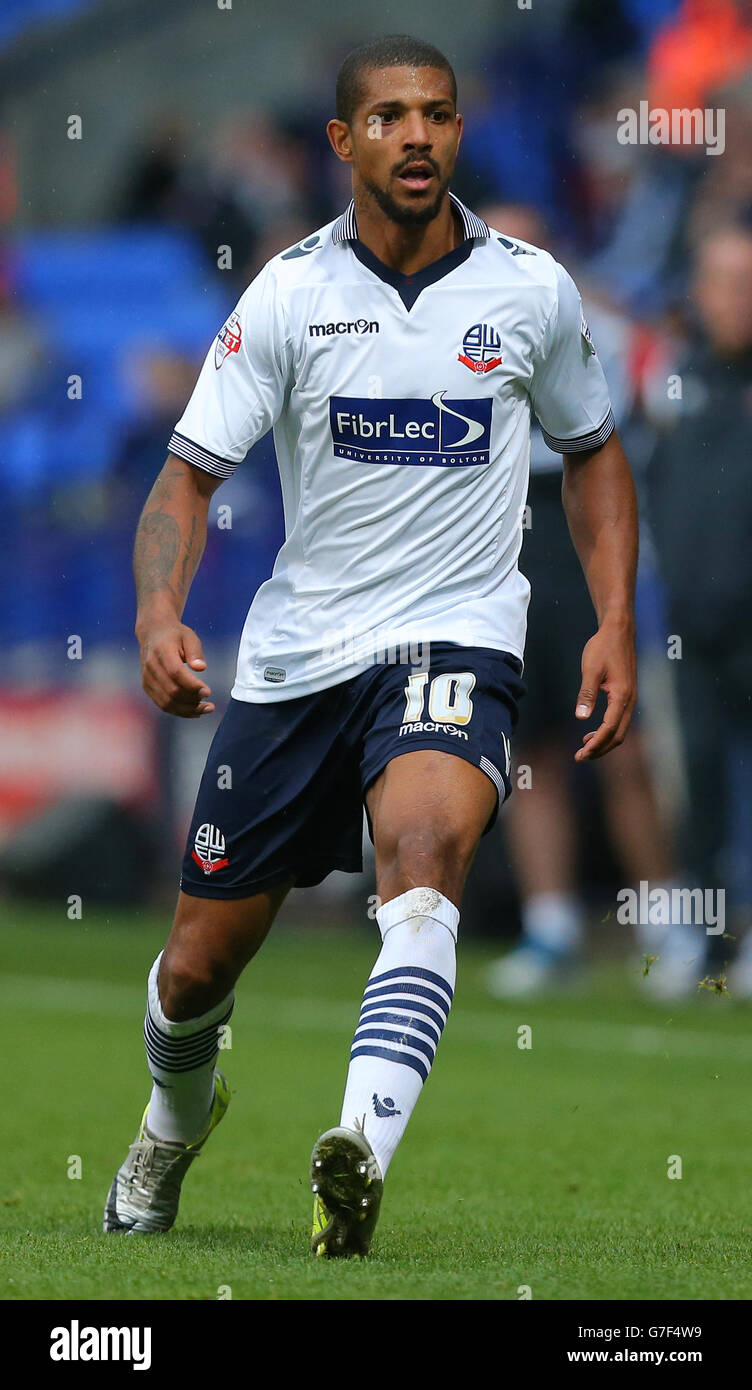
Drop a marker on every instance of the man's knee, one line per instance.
(191, 982)
(434, 855)
(210, 944)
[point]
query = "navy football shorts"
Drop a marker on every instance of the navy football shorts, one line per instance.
(284, 784)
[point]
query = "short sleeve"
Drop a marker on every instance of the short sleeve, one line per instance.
(241, 386)
(568, 391)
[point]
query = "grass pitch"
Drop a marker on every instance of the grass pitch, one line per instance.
(544, 1167)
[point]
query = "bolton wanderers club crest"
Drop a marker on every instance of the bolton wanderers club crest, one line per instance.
(209, 849)
(481, 348)
(228, 340)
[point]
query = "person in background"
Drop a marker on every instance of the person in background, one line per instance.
(701, 507)
(250, 177)
(541, 823)
(23, 349)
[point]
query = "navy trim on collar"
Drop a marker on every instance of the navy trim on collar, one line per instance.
(346, 227)
(409, 287)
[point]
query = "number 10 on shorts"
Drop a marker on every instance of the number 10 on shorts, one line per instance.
(448, 697)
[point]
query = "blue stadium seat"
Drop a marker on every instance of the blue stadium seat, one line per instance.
(100, 296)
(54, 266)
(18, 15)
(42, 449)
(86, 331)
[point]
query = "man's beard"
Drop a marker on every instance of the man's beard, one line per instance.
(406, 216)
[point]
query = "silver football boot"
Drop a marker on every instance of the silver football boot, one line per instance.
(145, 1192)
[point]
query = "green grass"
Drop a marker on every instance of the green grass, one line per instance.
(545, 1168)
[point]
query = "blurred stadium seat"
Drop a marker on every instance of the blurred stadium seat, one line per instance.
(18, 15)
(98, 296)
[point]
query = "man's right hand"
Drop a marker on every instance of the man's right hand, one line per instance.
(170, 653)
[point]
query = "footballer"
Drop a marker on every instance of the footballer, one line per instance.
(398, 354)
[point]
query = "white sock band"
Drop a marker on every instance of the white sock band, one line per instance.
(418, 902)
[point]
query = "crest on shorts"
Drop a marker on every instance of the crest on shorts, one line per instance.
(228, 340)
(209, 849)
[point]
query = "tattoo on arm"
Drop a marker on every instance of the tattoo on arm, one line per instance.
(170, 539)
(155, 552)
(190, 558)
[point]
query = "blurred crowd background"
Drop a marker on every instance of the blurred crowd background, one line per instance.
(203, 129)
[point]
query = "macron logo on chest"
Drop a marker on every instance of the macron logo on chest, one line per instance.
(330, 330)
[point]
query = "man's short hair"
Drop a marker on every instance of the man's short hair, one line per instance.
(394, 51)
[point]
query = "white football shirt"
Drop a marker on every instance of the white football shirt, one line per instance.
(401, 408)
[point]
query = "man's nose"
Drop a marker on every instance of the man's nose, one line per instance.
(417, 132)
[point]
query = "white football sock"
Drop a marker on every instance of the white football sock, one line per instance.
(181, 1059)
(405, 1007)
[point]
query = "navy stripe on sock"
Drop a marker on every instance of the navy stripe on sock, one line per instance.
(190, 1049)
(181, 1050)
(419, 990)
(171, 1054)
(416, 971)
(176, 1040)
(178, 1049)
(405, 1059)
(428, 1028)
(401, 1003)
(400, 1039)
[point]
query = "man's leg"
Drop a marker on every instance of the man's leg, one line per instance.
(190, 998)
(541, 829)
(428, 811)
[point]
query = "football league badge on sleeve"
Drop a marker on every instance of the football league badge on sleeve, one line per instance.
(481, 348)
(228, 340)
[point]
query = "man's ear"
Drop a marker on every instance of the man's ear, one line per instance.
(340, 140)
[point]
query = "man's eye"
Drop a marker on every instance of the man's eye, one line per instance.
(439, 115)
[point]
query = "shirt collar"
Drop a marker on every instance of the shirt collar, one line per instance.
(346, 227)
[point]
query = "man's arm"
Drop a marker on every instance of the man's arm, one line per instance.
(169, 543)
(601, 509)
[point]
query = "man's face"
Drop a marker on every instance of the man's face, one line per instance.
(403, 141)
(723, 291)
